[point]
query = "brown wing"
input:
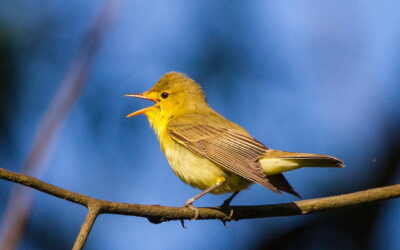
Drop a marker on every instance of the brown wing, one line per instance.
(229, 148)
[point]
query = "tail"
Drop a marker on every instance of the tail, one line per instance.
(276, 162)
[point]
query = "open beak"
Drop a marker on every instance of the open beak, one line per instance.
(142, 111)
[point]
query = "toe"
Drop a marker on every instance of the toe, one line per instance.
(194, 209)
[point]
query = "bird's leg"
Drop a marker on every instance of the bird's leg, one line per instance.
(189, 203)
(227, 203)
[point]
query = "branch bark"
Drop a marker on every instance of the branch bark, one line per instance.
(157, 213)
(93, 212)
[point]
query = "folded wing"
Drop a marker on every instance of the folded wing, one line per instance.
(230, 149)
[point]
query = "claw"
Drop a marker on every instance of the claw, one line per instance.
(183, 224)
(225, 224)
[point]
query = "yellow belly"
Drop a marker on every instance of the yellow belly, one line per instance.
(201, 173)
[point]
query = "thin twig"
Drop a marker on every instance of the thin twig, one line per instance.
(156, 213)
(93, 212)
(14, 220)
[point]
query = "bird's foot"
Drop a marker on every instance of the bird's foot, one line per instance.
(189, 204)
(226, 205)
(230, 216)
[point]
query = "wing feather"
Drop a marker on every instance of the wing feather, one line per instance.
(229, 148)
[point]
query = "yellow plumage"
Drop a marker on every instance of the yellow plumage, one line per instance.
(211, 153)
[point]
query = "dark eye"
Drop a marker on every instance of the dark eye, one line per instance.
(164, 95)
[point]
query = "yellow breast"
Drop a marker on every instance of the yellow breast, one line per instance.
(200, 172)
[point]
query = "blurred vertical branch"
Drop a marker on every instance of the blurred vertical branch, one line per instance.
(20, 201)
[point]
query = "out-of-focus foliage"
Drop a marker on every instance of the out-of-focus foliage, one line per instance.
(320, 76)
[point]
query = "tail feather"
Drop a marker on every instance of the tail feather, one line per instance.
(275, 161)
(307, 160)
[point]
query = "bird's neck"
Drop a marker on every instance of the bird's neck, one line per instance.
(158, 122)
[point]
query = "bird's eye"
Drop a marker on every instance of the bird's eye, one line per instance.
(164, 95)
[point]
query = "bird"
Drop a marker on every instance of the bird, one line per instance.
(211, 153)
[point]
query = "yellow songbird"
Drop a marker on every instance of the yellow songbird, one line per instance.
(211, 153)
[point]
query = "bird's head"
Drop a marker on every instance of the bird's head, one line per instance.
(173, 94)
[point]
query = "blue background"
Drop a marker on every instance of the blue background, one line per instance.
(315, 76)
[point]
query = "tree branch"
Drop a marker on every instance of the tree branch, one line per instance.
(156, 213)
(93, 212)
